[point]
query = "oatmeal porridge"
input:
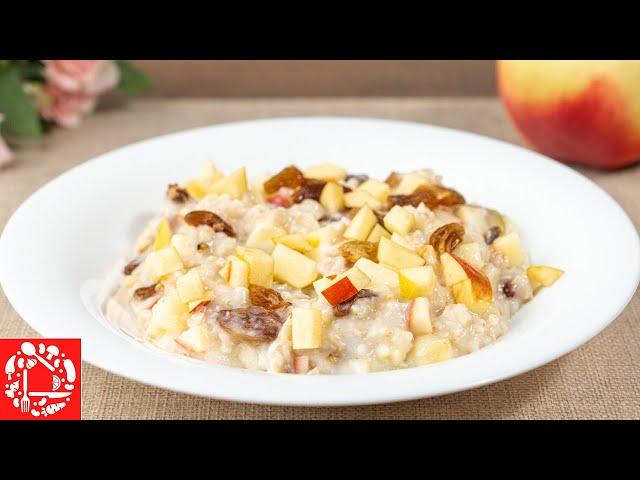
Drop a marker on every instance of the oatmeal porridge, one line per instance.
(321, 271)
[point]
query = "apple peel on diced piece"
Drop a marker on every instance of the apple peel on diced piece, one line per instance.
(345, 286)
(418, 316)
(469, 286)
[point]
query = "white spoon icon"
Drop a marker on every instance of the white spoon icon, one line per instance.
(29, 349)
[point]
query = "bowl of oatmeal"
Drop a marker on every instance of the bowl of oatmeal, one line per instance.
(322, 271)
(320, 261)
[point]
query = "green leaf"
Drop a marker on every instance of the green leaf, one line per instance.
(20, 116)
(132, 80)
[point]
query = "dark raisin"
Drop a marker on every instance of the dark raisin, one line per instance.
(359, 178)
(310, 189)
(177, 194)
(254, 324)
(266, 297)
(431, 195)
(289, 177)
(344, 308)
(143, 293)
(204, 217)
(508, 289)
(491, 234)
(131, 266)
(203, 247)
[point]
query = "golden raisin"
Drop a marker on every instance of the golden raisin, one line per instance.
(354, 250)
(143, 293)
(204, 217)
(447, 237)
(253, 324)
(393, 180)
(431, 195)
(266, 297)
(289, 177)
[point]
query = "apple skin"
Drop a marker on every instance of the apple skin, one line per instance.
(580, 111)
(340, 291)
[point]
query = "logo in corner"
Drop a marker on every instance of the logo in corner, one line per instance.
(41, 378)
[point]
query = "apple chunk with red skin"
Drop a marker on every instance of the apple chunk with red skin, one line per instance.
(345, 286)
(479, 281)
(582, 111)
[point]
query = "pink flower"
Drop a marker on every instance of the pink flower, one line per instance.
(65, 108)
(5, 154)
(91, 77)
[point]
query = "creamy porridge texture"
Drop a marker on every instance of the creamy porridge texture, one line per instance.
(320, 271)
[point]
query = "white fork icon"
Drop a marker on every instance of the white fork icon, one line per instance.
(25, 402)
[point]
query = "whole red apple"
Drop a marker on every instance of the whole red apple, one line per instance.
(583, 111)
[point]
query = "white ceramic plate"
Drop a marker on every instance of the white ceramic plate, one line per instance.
(61, 242)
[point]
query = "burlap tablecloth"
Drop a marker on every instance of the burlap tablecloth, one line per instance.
(599, 380)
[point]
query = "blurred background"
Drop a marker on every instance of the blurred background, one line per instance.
(335, 78)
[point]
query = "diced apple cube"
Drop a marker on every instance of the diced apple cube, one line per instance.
(377, 233)
(428, 253)
(189, 286)
(262, 237)
(235, 185)
(511, 247)
(293, 267)
(471, 253)
(464, 293)
(399, 220)
(296, 241)
(375, 188)
(429, 349)
(260, 266)
(235, 272)
(322, 236)
(400, 240)
(163, 262)
(418, 316)
(208, 175)
(416, 281)
(321, 284)
(396, 256)
(306, 328)
(195, 190)
(381, 277)
(163, 235)
(453, 272)
(409, 183)
(195, 339)
(359, 199)
(167, 316)
(543, 276)
(332, 197)
(327, 172)
(361, 224)
(345, 286)
(184, 245)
